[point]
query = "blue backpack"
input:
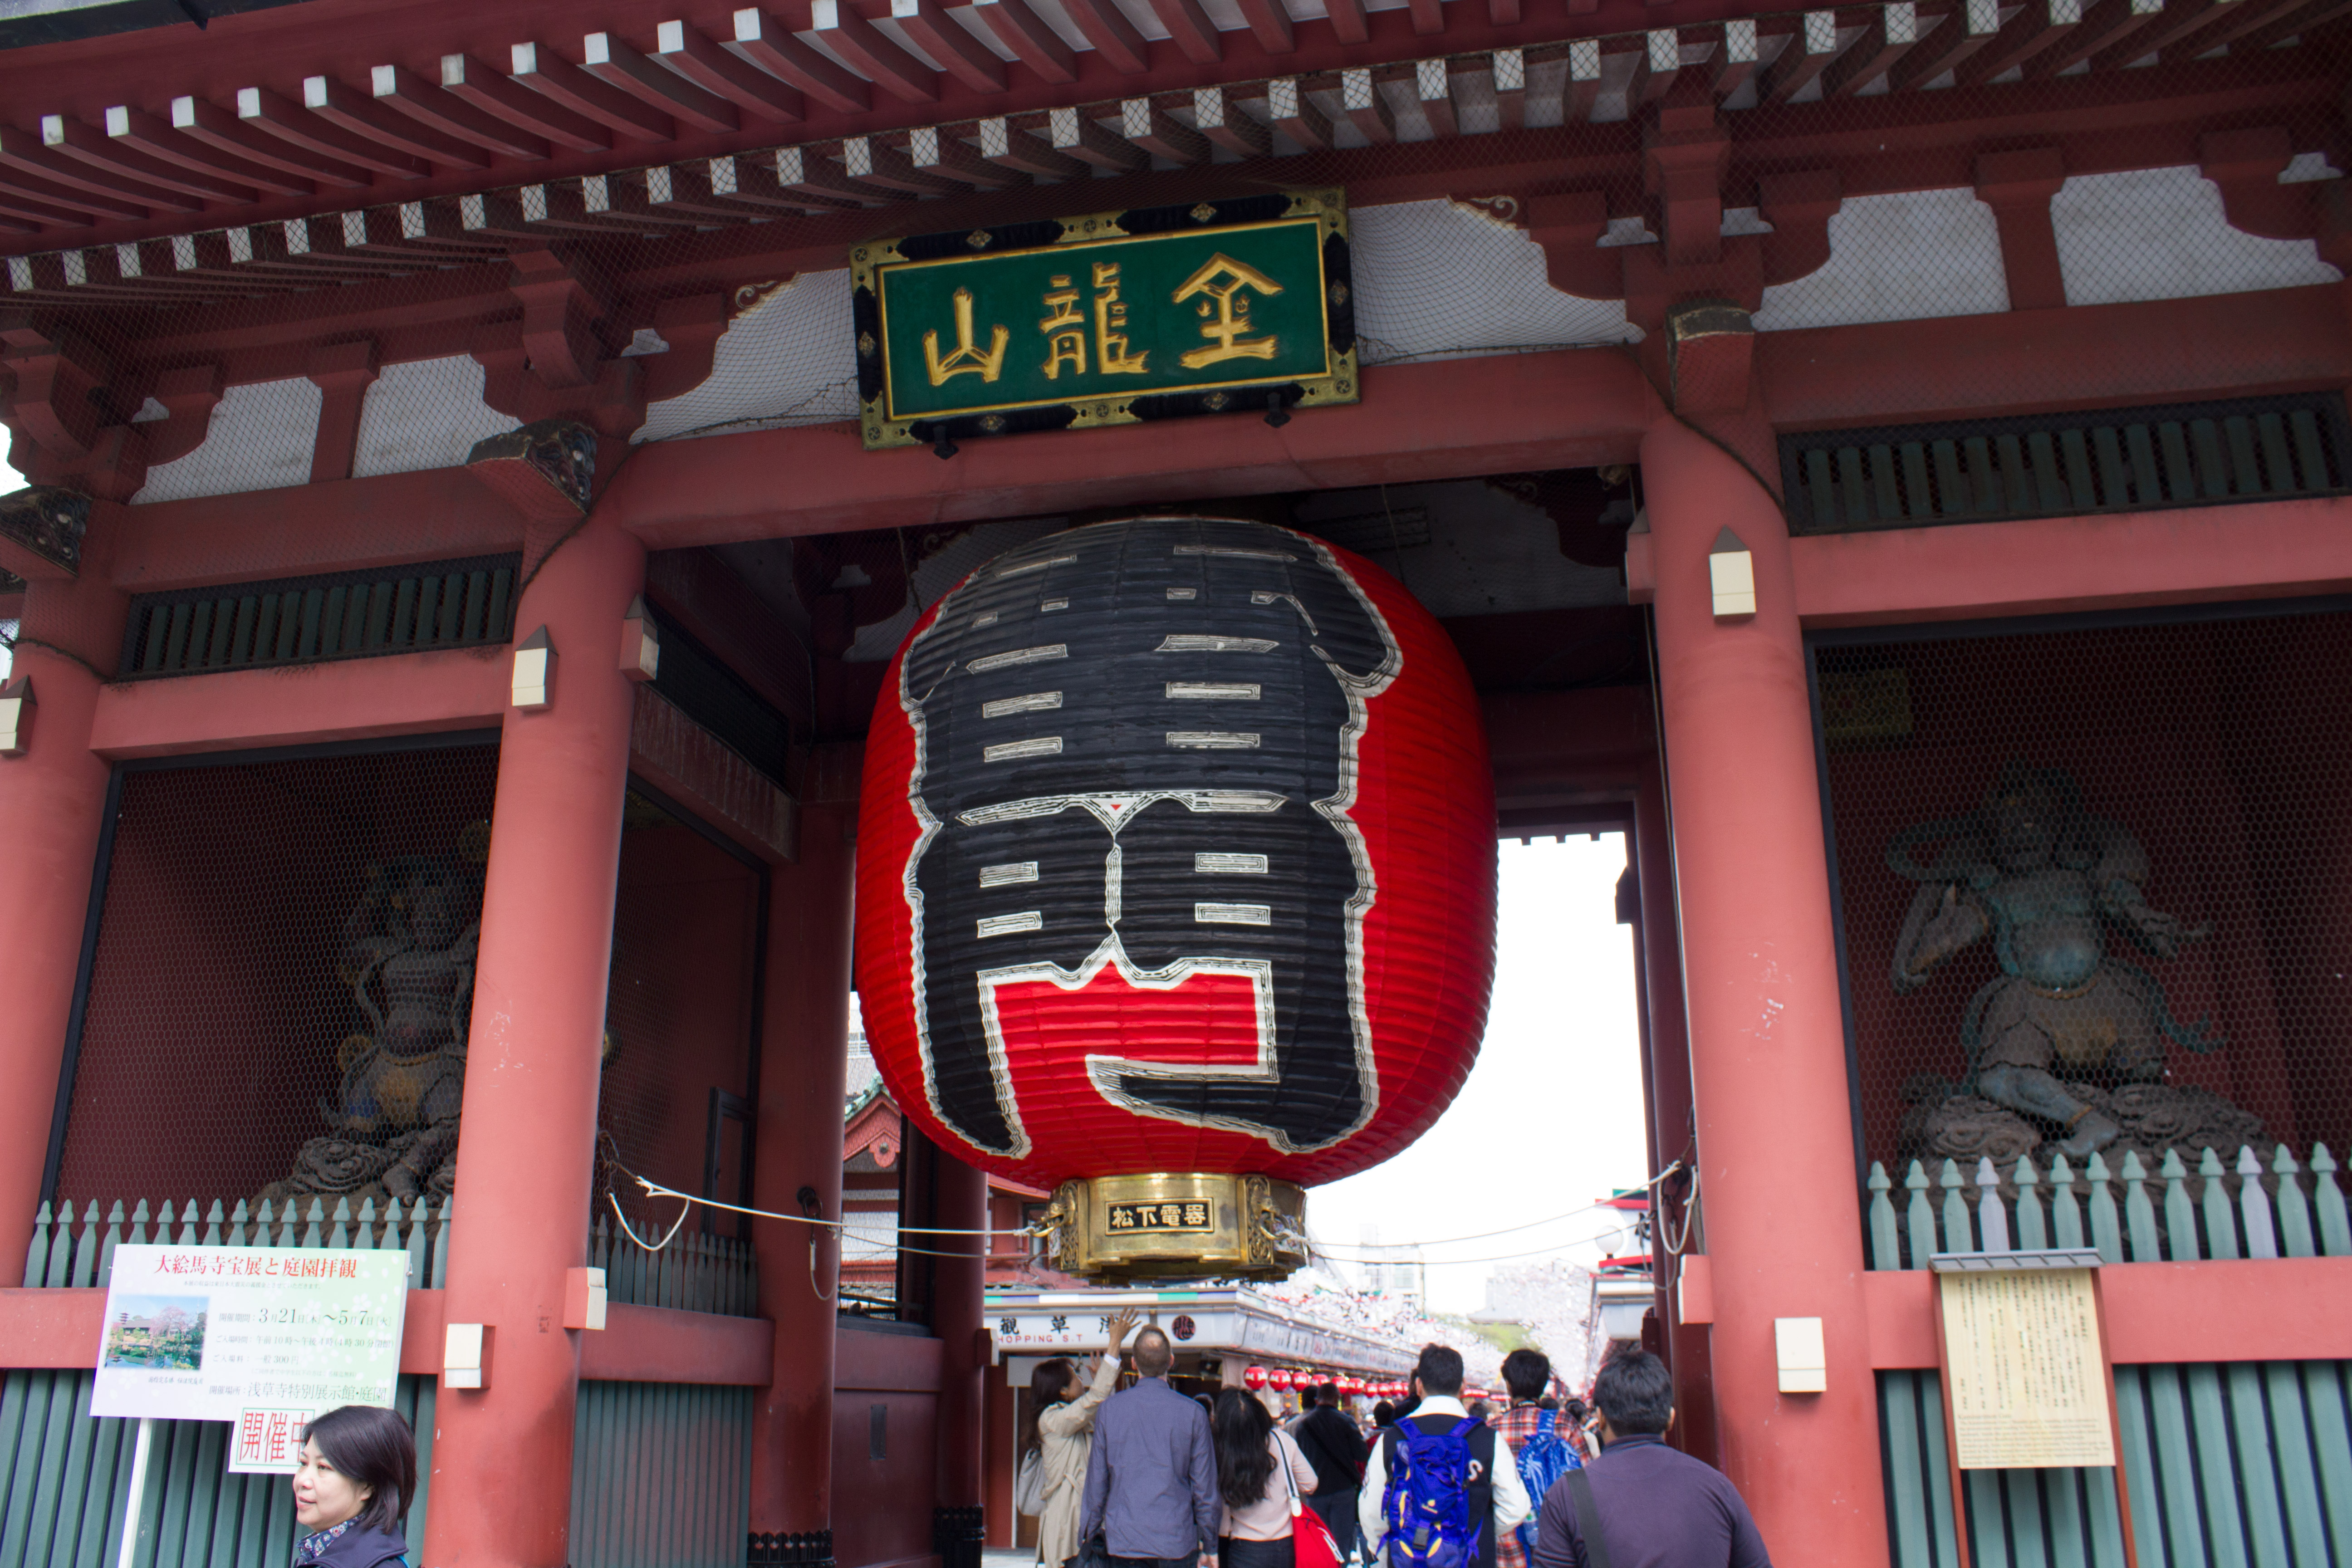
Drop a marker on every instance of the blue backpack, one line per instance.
(1544, 1457)
(1426, 1503)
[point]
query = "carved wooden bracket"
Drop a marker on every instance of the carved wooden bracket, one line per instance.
(343, 373)
(546, 470)
(1685, 153)
(2017, 187)
(2246, 165)
(56, 372)
(41, 531)
(692, 328)
(1709, 349)
(561, 309)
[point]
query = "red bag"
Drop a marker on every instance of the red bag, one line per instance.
(1311, 1541)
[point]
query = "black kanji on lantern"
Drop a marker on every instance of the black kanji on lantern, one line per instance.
(1135, 747)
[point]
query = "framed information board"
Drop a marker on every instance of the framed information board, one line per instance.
(2028, 1379)
(2022, 1348)
(264, 1337)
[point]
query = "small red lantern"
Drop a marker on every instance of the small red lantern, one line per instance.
(1279, 1380)
(1254, 1377)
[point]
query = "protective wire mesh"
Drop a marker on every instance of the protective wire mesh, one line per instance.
(2091, 889)
(280, 987)
(2138, 154)
(676, 1102)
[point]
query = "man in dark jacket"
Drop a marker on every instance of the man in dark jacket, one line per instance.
(1151, 1476)
(1653, 1507)
(1337, 1450)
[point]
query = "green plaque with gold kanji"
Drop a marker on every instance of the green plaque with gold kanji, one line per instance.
(1223, 307)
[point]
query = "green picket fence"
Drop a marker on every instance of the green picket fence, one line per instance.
(661, 1476)
(695, 1273)
(65, 1484)
(63, 1256)
(2228, 1465)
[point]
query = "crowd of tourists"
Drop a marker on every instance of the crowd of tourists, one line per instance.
(1150, 1478)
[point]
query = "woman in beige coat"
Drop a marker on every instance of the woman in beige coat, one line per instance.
(1062, 1433)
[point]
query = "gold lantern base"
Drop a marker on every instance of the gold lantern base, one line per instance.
(1168, 1225)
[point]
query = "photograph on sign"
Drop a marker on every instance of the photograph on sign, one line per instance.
(261, 1336)
(1153, 313)
(2028, 1372)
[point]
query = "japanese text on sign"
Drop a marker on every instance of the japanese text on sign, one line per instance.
(1091, 323)
(233, 1333)
(1159, 1217)
(2029, 1377)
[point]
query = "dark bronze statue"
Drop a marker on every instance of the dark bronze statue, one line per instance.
(408, 957)
(2034, 869)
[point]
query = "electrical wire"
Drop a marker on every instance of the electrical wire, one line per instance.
(655, 1189)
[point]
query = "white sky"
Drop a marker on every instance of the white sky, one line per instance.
(1550, 1118)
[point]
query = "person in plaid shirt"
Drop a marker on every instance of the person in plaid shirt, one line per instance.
(1528, 1374)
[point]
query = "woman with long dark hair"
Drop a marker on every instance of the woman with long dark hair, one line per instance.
(1260, 1474)
(357, 1477)
(1059, 1433)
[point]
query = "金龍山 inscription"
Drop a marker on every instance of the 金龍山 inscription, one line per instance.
(961, 336)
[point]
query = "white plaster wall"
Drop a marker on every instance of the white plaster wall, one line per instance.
(2160, 233)
(260, 439)
(1897, 257)
(791, 359)
(1438, 280)
(424, 415)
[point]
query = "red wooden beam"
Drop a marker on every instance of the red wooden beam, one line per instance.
(1075, 132)
(939, 36)
(1227, 126)
(2037, 26)
(1160, 133)
(935, 150)
(144, 133)
(1879, 50)
(560, 81)
(1003, 144)
(1361, 101)
(1290, 111)
(39, 171)
(1350, 24)
(439, 110)
(1433, 86)
(1270, 24)
(1812, 50)
(2107, 25)
(1190, 29)
(296, 127)
(770, 46)
(1962, 28)
(500, 96)
(616, 65)
(117, 160)
(1032, 40)
(365, 118)
(884, 63)
(693, 54)
(1114, 37)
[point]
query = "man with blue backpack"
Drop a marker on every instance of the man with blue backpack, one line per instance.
(1541, 1445)
(1440, 1489)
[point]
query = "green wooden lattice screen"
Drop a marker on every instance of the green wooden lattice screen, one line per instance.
(2229, 1465)
(661, 1476)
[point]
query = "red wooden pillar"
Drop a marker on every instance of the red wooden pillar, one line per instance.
(956, 1304)
(1781, 1213)
(52, 805)
(502, 1456)
(804, 1065)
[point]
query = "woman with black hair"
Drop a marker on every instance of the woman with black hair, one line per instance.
(1059, 1434)
(357, 1477)
(1261, 1475)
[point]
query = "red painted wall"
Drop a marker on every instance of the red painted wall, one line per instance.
(684, 930)
(882, 1508)
(2216, 745)
(214, 1006)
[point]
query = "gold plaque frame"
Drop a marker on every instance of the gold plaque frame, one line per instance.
(878, 429)
(1255, 1228)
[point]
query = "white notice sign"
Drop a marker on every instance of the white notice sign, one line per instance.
(265, 1337)
(2029, 1377)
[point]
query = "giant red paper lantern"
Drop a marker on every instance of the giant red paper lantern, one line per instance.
(1175, 887)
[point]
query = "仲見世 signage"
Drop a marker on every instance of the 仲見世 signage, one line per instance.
(262, 1337)
(1233, 306)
